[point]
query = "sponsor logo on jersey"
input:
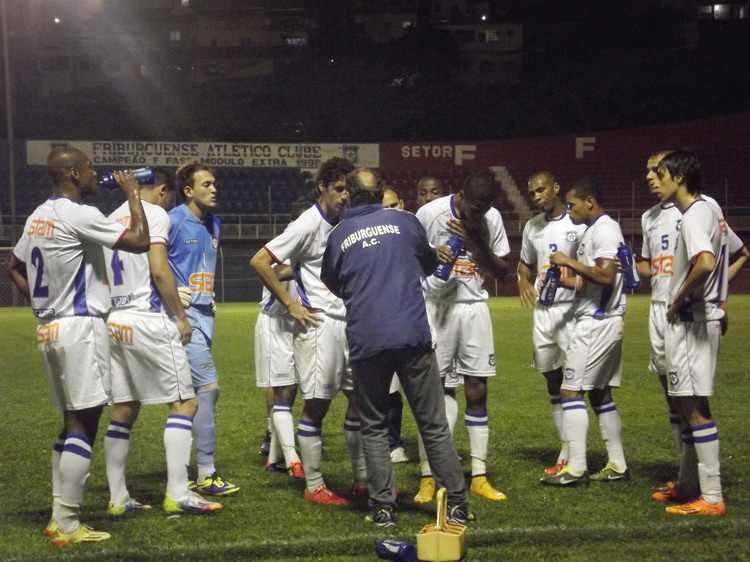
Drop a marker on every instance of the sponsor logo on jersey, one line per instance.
(120, 333)
(205, 366)
(48, 333)
(191, 241)
(41, 229)
(120, 301)
(44, 313)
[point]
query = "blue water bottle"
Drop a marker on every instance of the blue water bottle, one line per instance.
(400, 551)
(550, 285)
(443, 271)
(143, 176)
(625, 255)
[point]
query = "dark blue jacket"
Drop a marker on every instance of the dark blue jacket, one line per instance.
(374, 260)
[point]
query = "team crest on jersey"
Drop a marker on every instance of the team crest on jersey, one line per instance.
(679, 224)
(674, 379)
(214, 242)
(582, 249)
(492, 360)
(571, 236)
(570, 372)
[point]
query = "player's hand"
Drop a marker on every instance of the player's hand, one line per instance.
(186, 296)
(213, 303)
(559, 258)
(186, 331)
(672, 313)
(528, 293)
(304, 315)
(126, 181)
(444, 253)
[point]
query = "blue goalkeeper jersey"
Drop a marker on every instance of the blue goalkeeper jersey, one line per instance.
(192, 248)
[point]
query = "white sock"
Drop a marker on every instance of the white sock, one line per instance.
(75, 462)
(178, 442)
(706, 439)
(116, 448)
(557, 418)
(311, 446)
(424, 464)
(356, 452)
(57, 450)
(610, 425)
(283, 424)
(576, 423)
(451, 411)
(479, 437)
(275, 454)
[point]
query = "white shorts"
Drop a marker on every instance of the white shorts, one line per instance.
(553, 328)
(149, 364)
(321, 359)
(594, 357)
(692, 352)
(452, 380)
(274, 350)
(657, 328)
(75, 353)
(464, 335)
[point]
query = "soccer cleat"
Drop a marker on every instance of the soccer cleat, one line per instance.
(671, 493)
(130, 505)
(265, 448)
(609, 474)
(276, 467)
(552, 470)
(192, 504)
(215, 485)
(296, 470)
(567, 478)
(460, 515)
(481, 487)
(698, 507)
(426, 490)
(399, 455)
(322, 494)
(382, 517)
(51, 529)
(83, 533)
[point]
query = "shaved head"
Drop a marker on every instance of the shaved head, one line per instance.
(61, 160)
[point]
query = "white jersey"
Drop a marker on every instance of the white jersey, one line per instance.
(703, 229)
(62, 249)
(466, 278)
(270, 305)
(600, 242)
(302, 244)
(130, 283)
(660, 226)
(542, 237)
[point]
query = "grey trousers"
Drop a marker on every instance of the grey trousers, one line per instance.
(418, 372)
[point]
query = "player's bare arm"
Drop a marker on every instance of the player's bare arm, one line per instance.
(263, 263)
(603, 273)
(703, 265)
(167, 287)
(283, 272)
(473, 238)
(738, 261)
(526, 290)
(136, 239)
(17, 272)
(644, 269)
(444, 253)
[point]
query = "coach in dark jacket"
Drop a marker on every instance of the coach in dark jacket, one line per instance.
(374, 260)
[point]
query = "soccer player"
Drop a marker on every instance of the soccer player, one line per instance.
(697, 290)
(430, 188)
(593, 360)
(375, 260)
(459, 313)
(392, 199)
(320, 350)
(549, 231)
(149, 365)
(58, 264)
(193, 243)
(274, 366)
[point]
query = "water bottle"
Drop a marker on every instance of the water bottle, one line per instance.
(396, 550)
(550, 285)
(143, 176)
(625, 255)
(443, 271)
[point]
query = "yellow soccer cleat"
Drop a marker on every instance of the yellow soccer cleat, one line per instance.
(83, 533)
(51, 529)
(426, 490)
(481, 487)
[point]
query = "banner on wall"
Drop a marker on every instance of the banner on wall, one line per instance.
(128, 154)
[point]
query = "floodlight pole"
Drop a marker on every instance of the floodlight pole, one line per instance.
(9, 121)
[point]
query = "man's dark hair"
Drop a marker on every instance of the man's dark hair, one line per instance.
(186, 172)
(481, 187)
(587, 187)
(365, 187)
(302, 204)
(162, 176)
(684, 167)
(333, 169)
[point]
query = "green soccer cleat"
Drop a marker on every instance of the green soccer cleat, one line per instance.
(214, 485)
(567, 478)
(193, 504)
(51, 529)
(130, 505)
(83, 533)
(609, 474)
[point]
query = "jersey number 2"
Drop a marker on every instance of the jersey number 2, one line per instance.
(40, 291)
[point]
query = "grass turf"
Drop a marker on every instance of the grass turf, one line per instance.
(268, 520)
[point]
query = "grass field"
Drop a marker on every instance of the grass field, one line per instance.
(268, 520)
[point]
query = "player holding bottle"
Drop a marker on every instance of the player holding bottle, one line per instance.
(548, 232)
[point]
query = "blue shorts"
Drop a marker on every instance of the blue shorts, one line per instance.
(198, 351)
